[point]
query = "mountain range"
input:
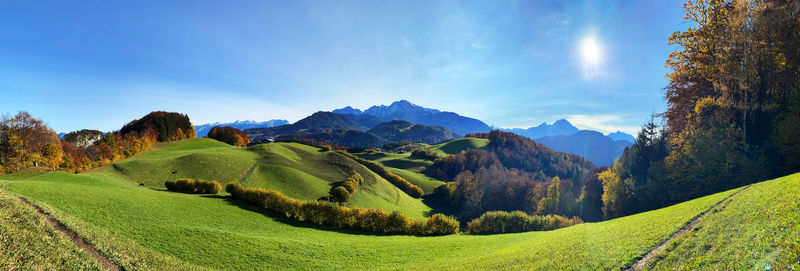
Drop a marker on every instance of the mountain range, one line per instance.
(203, 129)
(353, 130)
(565, 137)
(405, 121)
(405, 110)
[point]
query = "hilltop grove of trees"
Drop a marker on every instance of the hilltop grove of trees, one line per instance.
(27, 142)
(229, 135)
(733, 113)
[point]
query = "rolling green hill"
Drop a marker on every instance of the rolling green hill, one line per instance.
(297, 170)
(456, 146)
(143, 228)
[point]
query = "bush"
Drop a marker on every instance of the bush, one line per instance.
(440, 224)
(340, 194)
(333, 215)
(518, 221)
(187, 185)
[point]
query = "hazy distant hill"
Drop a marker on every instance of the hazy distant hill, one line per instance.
(598, 148)
(202, 130)
(622, 136)
(405, 110)
(400, 130)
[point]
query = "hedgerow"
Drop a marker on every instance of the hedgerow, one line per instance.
(404, 185)
(334, 215)
(518, 221)
(187, 185)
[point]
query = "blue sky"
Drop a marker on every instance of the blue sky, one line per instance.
(100, 64)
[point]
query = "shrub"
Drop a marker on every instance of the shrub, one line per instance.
(340, 194)
(171, 185)
(234, 188)
(517, 221)
(333, 215)
(439, 224)
(185, 185)
(193, 186)
(398, 223)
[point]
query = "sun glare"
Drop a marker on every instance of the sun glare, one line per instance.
(592, 55)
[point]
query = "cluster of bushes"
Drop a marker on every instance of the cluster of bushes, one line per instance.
(187, 185)
(334, 215)
(410, 188)
(229, 135)
(343, 192)
(424, 154)
(518, 221)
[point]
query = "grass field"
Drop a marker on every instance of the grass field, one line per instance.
(141, 228)
(28, 242)
(297, 170)
(456, 146)
(410, 169)
(761, 225)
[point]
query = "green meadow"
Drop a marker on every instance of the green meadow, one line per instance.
(147, 228)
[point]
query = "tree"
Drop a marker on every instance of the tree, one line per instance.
(549, 204)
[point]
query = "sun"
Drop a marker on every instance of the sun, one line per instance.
(592, 55)
(591, 51)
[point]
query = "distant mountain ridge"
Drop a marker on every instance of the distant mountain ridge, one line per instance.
(203, 129)
(598, 148)
(352, 130)
(560, 127)
(405, 110)
(565, 137)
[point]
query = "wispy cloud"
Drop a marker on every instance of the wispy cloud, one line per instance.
(606, 123)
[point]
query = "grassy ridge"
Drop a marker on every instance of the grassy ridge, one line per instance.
(207, 230)
(756, 228)
(30, 243)
(456, 146)
(299, 171)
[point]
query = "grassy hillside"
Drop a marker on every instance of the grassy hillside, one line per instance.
(456, 146)
(174, 231)
(409, 169)
(297, 170)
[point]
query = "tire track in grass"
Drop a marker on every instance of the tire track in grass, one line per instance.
(71, 235)
(642, 263)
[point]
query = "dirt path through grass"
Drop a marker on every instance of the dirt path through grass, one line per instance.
(642, 263)
(72, 236)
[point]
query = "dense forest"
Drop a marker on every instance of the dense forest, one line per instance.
(229, 135)
(733, 115)
(169, 126)
(512, 173)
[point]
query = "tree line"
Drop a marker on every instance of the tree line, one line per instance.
(27, 142)
(230, 135)
(733, 115)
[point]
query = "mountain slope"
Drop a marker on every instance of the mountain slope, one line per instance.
(317, 122)
(203, 129)
(405, 110)
(596, 147)
(399, 131)
(622, 136)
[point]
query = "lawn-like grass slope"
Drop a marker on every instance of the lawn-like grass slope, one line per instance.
(299, 171)
(211, 231)
(757, 229)
(28, 242)
(456, 146)
(402, 165)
